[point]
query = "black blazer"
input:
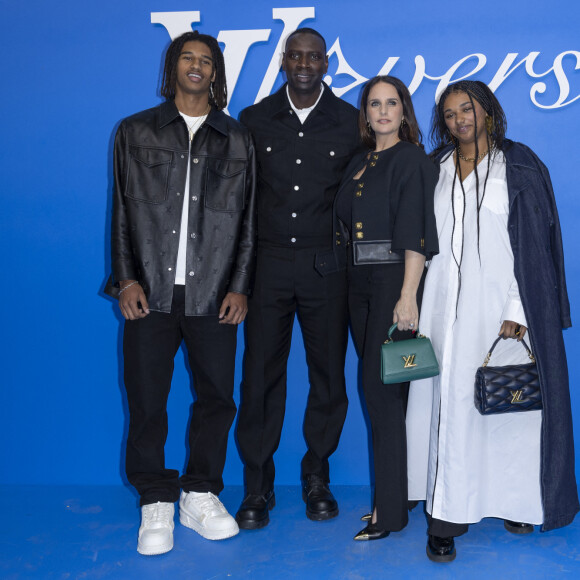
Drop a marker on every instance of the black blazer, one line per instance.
(392, 203)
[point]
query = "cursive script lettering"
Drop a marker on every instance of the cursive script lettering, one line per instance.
(237, 43)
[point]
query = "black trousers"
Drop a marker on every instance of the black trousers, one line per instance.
(286, 285)
(149, 348)
(445, 529)
(373, 291)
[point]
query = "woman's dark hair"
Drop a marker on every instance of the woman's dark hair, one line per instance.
(495, 125)
(218, 90)
(409, 129)
(440, 136)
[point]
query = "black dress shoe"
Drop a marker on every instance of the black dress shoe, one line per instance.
(371, 532)
(518, 527)
(253, 512)
(320, 503)
(441, 549)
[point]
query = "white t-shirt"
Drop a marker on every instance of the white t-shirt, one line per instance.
(303, 113)
(193, 124)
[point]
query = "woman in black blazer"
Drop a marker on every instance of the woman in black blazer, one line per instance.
(384, 218)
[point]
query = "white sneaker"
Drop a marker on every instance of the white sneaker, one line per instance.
(156, 531)
(206, 514)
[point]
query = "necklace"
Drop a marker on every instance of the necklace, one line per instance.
(197, 123)
(478, 158)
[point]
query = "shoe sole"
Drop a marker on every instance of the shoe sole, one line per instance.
(321, 516)
(365, 538)
(190, 523)
(252, 524)
(247, 524)
(439, 558)
(154, 551)
(518, 530)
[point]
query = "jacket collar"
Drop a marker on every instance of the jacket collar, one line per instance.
(281, 104)
(519, 169)
(168, 112)
(442, 154)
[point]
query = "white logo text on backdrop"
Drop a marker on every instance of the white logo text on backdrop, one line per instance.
(238, 42)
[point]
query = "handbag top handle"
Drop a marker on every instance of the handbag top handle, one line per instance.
(392, 329)
(524, 344)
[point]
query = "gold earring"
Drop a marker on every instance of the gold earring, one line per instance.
(489, 124)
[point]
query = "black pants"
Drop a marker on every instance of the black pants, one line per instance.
(445, 529)
(149, 348)
(373, 291)
(286, 285)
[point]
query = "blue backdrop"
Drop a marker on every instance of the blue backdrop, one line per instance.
(71, 71)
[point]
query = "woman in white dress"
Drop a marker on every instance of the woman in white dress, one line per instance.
(499, 271)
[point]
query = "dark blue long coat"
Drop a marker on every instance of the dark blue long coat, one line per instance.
(534, 232)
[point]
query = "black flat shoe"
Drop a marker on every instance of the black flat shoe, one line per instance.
(518, 527)
(371, 532)
(441, 549)
(253, 513)
(320, 503)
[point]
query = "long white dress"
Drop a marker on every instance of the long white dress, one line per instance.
(468, 466)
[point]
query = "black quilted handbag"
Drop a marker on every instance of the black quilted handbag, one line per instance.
(507, 389)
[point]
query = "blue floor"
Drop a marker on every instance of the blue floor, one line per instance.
(91, 532)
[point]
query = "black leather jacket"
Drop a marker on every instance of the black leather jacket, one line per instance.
(150, 167)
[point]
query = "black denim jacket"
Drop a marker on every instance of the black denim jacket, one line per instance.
(300, 166)
(150, 167)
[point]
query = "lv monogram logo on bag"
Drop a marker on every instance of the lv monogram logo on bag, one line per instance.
(517, 396)
(409, 361)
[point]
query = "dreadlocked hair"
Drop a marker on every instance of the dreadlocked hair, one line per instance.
(409, 129)
(218, 90)
(441, 138)
(439, 135)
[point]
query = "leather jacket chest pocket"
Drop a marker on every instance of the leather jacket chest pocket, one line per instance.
(148, 174)
(225, 185)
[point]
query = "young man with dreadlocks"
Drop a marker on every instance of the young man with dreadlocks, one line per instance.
(183, 245)
(500, 271)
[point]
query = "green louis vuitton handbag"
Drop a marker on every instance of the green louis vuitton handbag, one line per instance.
(407, 360)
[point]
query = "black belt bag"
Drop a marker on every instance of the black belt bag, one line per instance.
(375, 252)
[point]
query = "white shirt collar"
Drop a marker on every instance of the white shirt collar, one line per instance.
(303, 113)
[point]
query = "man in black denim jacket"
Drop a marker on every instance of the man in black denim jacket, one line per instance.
(305, 137)
(183, 254)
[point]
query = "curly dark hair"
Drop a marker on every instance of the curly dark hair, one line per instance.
(218, 91)
(408, 131)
